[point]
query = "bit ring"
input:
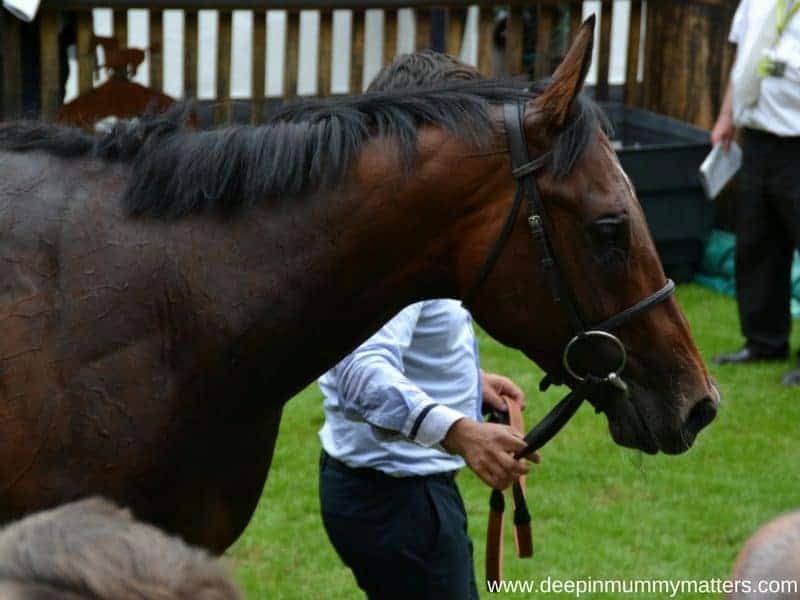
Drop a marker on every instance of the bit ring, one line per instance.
(594, 333)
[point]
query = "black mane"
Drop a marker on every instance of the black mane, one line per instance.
(308, 144)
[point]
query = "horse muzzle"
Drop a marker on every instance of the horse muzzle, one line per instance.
(643, 421)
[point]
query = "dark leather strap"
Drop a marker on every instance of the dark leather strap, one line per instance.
(521, 163)
(531, 167)
(494, 537)
(629, 313)
(520, 167)
(522, 517)
(558, 416)
(495, 252)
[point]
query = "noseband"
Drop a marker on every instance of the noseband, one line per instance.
(524, 170)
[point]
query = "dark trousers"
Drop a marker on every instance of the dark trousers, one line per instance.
(403, 538)
(767, 233)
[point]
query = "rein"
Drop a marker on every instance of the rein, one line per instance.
(524, 170)
(523, 538)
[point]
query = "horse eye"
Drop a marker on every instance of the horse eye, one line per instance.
(610, 233)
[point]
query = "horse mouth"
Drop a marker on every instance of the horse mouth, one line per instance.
(626, 424)
(630, 427)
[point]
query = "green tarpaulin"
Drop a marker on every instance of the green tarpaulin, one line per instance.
(718, 268)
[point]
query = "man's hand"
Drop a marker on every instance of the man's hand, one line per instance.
(488, 449)
(723, 131)
(496, 387)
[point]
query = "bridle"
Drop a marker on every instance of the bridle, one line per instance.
(524, 170)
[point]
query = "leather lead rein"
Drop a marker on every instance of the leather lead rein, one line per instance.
(523, 538)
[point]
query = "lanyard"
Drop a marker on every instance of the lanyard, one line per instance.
(784, 17)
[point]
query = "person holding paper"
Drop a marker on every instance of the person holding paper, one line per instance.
(763, 100)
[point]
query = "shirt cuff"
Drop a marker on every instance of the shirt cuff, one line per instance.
(429, 423)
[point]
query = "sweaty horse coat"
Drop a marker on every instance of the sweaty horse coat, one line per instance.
(163, 293)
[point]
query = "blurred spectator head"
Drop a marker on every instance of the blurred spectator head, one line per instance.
(421, 69)
(92, 549)
(771, 555)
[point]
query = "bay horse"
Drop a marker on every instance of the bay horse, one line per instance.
(165, 292)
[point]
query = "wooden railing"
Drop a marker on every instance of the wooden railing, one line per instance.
(556, 21)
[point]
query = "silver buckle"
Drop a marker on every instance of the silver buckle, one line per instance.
(614, 377)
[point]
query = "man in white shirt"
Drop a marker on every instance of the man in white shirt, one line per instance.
(402, 416)
(763, 100)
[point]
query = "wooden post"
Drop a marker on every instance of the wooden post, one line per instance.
(686, 64)
(455, 30)
(156, 52)
(292, 46)
(604, 54)
(49, 67)
(85, 52)
(2, 64)
(357, 53)
(121, 27)
(325, 60)
(422, 28)
(259, 66)
(222, 112)
(513, 59)
(389, 35)
(486, 40)
(632, 62)
(12, 68)
(190, 54)
(544, 41)
(575, 18)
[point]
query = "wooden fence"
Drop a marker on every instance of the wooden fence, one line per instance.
(554, 21)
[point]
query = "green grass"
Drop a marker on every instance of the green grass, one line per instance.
(599, 510)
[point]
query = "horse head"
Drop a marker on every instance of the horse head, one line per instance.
(605, 262)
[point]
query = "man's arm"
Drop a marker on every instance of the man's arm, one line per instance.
(724, 128)
(372, 386)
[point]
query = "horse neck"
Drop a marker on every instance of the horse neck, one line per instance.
(361, 254)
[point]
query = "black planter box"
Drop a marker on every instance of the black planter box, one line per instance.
(661, 156)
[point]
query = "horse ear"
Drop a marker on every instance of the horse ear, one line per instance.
(552, 106)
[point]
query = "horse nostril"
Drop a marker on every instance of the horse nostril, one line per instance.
(701, 415)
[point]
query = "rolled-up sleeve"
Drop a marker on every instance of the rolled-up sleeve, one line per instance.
(739, 24)
(372, 385)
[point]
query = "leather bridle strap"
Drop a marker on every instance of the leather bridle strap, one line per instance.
(494, 253)
(522, 517)
(554, 421)
(524, 170)
(621, 318)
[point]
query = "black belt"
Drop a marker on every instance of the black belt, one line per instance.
(326, 461)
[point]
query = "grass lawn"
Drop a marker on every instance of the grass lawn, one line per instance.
(599, 510)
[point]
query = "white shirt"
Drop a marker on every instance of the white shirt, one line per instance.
(392, 400)
(22, 9)
(778, 108)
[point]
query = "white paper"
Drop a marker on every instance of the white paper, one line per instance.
(23, 9)
(718, 168)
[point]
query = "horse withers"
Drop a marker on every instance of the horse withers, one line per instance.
(164, 292)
